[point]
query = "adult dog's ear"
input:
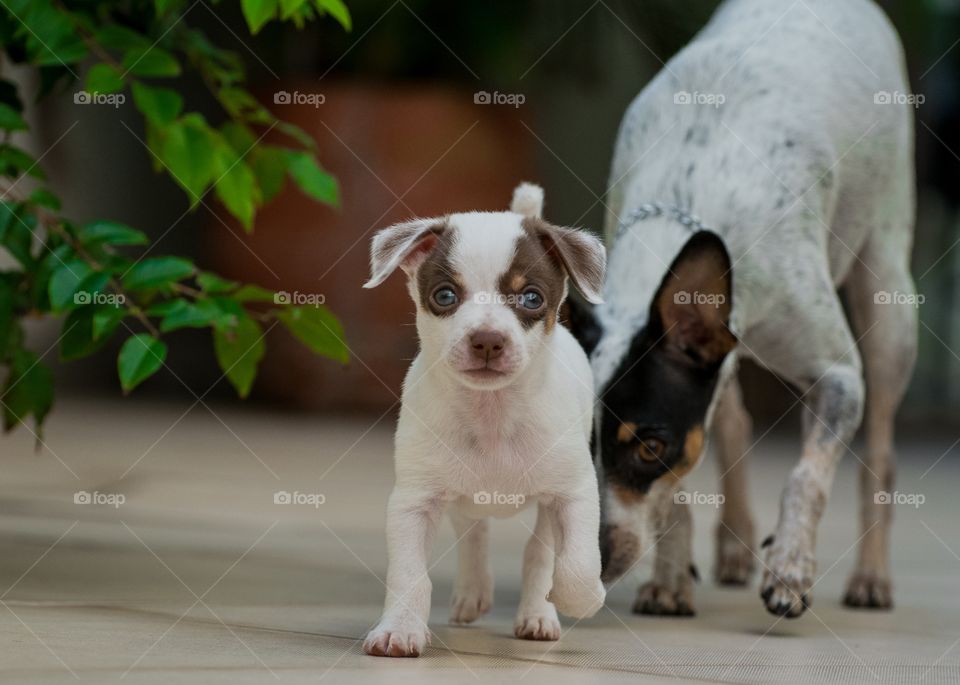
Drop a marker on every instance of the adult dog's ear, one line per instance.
(582, 321)
(405, 245)
(694, 301)
(579, 253)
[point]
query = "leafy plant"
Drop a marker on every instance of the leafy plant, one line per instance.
(87, 273)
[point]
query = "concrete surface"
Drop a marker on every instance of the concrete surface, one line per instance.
(199, 577)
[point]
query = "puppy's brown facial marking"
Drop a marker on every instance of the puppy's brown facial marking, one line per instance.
(534, 282)
(437, 274)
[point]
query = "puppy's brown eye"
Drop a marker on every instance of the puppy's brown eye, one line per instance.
(444, 297)
(651, 449)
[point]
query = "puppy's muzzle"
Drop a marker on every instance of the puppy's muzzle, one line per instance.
(487, 345)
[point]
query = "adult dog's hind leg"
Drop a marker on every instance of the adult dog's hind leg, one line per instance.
(735, 559)
(473, 589)
(884, 316)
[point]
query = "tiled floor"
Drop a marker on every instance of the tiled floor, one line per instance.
(199, 577)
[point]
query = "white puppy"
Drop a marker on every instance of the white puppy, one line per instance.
(496, 415)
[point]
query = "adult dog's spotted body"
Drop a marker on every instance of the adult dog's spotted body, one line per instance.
(803, 171)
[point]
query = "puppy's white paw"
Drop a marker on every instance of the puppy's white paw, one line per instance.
(398, 639)
(788, 577)
(537, 626)
(470, 603)
(577, 597)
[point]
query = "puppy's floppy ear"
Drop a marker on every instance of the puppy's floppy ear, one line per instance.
(528, 200)
(694, 301)
(405, 245)
(579, 253)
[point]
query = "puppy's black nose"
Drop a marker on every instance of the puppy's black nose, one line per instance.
(487, 345)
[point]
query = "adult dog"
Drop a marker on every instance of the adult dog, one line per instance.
(786, 127)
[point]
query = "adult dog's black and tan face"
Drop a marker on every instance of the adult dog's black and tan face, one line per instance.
(653, 409)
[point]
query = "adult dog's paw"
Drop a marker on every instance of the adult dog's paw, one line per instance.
(470, 603)
(397, 639)
(735, 561)
(537, 627)
(655, 599)
(868, 590)
(787, 579)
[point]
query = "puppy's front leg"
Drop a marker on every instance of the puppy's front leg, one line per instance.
(412, 518)
(575, 517)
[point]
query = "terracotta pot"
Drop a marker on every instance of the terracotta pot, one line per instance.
(432, 147)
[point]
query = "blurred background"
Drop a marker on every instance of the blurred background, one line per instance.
(428, 107)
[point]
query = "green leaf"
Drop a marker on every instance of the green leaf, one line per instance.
(16, 232)
(10, 119)
(110, 233)
(198, 314)
(65, 283)
(161, 106)
(14, 161)
(7, 321)
(44, 198)
(312, 180)
(151, 62)
(103, 78)
(164, 6)
(214, 284)
(239, 350)
(28, 390)
(317, 328)
(120, 38)
(141, 356)
(270, 167)
(156, 272)
(258, 13)
(254, 293)
(337, 10)
(289, 7)
(106, 319)
(79, 338)
(237, 189)
(188, 152)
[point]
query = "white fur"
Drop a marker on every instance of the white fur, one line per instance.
(524, 437)
(809, 182)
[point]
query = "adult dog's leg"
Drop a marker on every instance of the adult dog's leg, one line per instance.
(536, 617)
(411, 524)
(670, 592)
(473, 590)
(819, 355)
(732, 430)
(887, 327)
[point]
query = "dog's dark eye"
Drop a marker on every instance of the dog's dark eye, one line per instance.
(445, 297)
(651, 449)
(532, 299)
